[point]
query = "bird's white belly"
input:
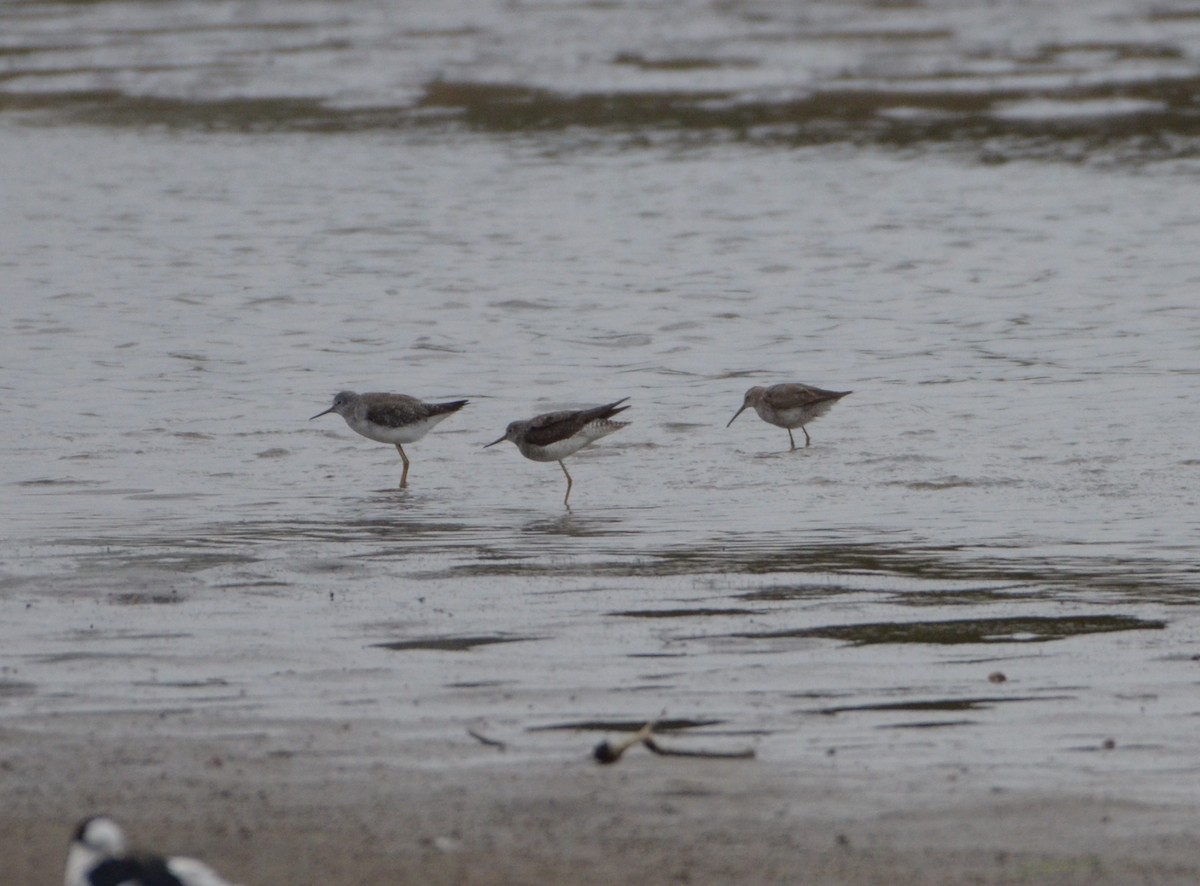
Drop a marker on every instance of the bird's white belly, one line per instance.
(409, 433)
(558, 450)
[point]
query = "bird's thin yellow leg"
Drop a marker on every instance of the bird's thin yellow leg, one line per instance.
(568, 495)
(404, 473)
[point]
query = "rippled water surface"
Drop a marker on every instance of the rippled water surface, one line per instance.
(980, 218)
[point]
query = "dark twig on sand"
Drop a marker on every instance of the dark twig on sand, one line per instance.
(606, 752)
(490, 742)
(746, 754)
(610, 753)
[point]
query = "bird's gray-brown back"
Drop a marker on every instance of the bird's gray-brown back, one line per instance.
(552, 427)
(798, 396)
(398, 410)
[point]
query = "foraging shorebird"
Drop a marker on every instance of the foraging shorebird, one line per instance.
(99, 856)
(555, 435)
(790, 406)
(391, 418)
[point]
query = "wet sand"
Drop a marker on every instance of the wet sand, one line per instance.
(289, 803)
(220, 215)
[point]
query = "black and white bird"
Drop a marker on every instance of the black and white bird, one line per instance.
(99, 856)
(391, 418)
(553, 436)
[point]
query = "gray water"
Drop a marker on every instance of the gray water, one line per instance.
(981, 218)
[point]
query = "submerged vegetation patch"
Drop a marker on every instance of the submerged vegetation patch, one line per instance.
(939, 704)
(682, 613)
(1018, 629)
(140, 598)
(670, 725)
(1009, 121)
(451, 644)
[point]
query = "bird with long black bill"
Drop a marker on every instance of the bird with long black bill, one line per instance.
(553, 436)
(790, 406)
(391, 418)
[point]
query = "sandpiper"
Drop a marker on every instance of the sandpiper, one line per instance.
(100, 856)
(391, 418)
(790, 406)
(555, 435)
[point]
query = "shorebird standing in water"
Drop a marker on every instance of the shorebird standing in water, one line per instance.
(391, 418)
(555, 435)
(99, 856)
(790, 406)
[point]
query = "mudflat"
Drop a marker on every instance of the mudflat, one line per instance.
(274, 803)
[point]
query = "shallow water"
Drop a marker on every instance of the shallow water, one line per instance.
(982, 223)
